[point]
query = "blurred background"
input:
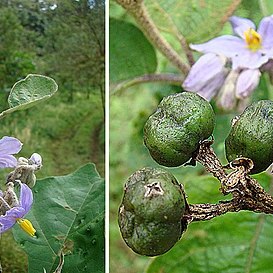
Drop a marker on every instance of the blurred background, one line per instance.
(238, 242)
(62, 39)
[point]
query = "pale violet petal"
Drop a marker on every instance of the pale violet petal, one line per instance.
(7, 161)
(226, 45)
(240, 25)
(9, 219)
(36, 159)
(266, 31)
(26, 197)
(9, 145)
(250, 59)
(207, 67)
(247, 81)
(212, 87)
(13, 213)
(6, 224)
(226, 98)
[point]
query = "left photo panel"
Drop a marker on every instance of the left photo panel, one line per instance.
(52, 141)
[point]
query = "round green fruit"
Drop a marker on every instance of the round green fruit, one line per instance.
(172, 134)
(151, 211)
(251, 136)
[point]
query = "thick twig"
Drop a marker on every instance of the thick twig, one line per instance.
(247, 193)
(187, 50)
(202, 212)
(138, 10)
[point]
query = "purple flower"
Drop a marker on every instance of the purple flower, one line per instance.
(16, 213)
(206, 76)
(248, 52)
(8, 147)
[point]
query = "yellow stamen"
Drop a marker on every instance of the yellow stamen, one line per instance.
(26, 226)
(253, 39)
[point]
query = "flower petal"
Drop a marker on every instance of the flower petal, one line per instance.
(240, 25)
(5, 225)
(36, 159)
(226, 98)
(26, 198)
(10, 145)
(226, 45)
(265, 30)
(250, 59)
(207, 67)
(210, 89)
(9, 219)
(7, 161)
(13, 213)
(247, 81)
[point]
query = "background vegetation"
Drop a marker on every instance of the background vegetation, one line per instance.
(63, 39)
(236, 242)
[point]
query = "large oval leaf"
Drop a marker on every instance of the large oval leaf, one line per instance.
(30, 91)
(131, 54)
(68, 214)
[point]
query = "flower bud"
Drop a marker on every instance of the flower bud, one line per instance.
(247, 81)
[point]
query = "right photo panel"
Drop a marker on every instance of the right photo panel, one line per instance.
(191, 136)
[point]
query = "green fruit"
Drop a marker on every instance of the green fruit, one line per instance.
(151, 211)
(251, 136)
(172, 134)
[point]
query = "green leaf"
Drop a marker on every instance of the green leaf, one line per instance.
(195, 20)
(235, 242)
(131, 54)
(68, 214)
(29, 92)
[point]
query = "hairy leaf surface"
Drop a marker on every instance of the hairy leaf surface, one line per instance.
(196, 20)
(68, 214)
(29, 92)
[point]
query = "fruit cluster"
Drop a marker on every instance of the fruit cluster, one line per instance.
(154, 203)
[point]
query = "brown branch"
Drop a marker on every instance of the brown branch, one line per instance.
(210, 161)
(138, 10)
(247, 193)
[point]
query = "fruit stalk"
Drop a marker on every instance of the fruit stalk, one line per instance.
(247, 193)
(210, 161)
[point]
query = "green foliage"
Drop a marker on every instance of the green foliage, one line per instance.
(195, 20)
(62, 38)
(15, 61)
(266, 7)
(68, 214)
(75, 45)
(30, 37)
(131, 54)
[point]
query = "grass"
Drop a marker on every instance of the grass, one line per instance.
(67, 135)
